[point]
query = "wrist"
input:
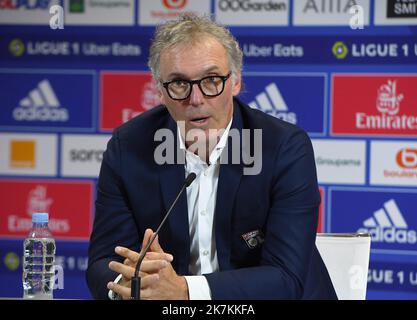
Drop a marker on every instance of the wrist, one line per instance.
(183, 289)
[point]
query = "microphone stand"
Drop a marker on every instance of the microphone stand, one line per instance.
(135, 285)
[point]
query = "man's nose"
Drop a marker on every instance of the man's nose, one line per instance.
(196, 97)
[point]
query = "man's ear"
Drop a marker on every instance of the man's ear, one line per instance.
(237, 82)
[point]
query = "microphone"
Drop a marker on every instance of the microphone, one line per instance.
(135, 285)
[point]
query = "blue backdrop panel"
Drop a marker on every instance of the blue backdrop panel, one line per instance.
(282, 101)
(41, 100)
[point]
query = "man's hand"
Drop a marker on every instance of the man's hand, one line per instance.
(158, 279)
(148, 272)
(149, 269)
(170, 286)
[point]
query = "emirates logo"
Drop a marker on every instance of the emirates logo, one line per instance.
(150, 96)
(38, 201)
(388, 101)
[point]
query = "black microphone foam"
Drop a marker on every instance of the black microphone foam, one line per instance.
(190, 179)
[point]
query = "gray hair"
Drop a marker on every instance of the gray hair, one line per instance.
(190, 28)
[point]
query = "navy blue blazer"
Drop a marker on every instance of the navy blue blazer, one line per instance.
(280, 205)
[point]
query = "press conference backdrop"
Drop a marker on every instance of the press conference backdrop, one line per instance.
(349, 78)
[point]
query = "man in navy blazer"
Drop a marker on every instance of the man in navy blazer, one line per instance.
(261, 236)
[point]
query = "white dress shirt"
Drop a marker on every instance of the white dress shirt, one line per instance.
(201, 202)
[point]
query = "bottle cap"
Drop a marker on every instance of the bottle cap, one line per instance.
(40, 217)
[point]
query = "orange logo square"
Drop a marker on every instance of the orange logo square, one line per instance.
(22, 154)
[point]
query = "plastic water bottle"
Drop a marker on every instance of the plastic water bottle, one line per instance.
(38, 260)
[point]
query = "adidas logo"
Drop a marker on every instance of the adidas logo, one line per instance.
(388, 225)
(272, 102)
(41, 104)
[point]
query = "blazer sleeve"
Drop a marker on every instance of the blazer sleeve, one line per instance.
(113, 222)
(290, 230)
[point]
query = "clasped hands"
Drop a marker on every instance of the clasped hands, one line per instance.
(159, 281)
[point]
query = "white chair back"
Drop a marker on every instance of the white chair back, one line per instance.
(346, 256)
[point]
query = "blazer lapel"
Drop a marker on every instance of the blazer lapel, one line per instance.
(229, 180)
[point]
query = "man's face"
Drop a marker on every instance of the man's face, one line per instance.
(192, 62)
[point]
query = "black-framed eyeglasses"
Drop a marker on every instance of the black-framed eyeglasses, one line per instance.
(210, 86)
